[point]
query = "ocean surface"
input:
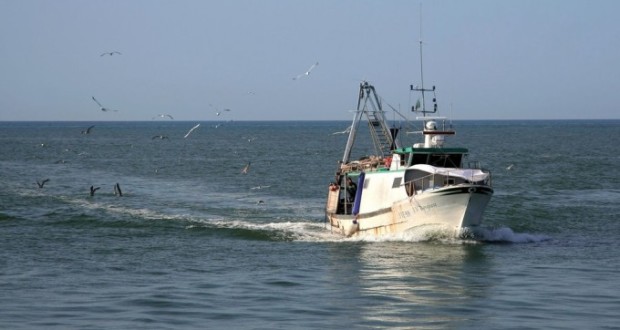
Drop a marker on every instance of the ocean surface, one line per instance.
(195, 244)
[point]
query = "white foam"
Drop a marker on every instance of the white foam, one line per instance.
(297, 230)
(507, 235)
(313, 231)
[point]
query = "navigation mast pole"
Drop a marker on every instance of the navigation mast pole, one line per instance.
(422, 66)
(421, 88)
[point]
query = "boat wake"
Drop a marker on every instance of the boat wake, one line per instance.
(274, 229)
(312, 231)
(440, 234)
(303, 231)
(505, 235)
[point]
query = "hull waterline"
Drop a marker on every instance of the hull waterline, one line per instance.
(453, 209)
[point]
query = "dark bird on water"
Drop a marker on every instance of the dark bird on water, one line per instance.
(42, 183)
(117, 190)
(161, 137)
(93, 189)
(87, 131)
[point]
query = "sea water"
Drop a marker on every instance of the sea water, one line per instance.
(195, 244)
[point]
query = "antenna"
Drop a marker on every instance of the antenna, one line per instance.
(421, 65)
(421, 89)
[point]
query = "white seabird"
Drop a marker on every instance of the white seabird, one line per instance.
(307, 73)
(346, 131)
(246, 168)
(190, 131)
(259, 187)
(163, 115)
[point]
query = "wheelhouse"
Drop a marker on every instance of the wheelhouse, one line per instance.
(439, 157)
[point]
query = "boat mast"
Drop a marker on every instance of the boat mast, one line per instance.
(421, 89)
(422, 65)
(369, 107)
(357, 116)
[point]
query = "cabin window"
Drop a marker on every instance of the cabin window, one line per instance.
(445, 160)
(417, 178)
(396, 182)
(419, 159)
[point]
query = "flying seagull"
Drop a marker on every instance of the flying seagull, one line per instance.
(93, 189)
(111, 53)
(510, 167)
(190, 131)
(87, 131)
(42, 183)
(163, 115)
(246, 169)
(307, 73)
(102, 108)
(346, 131)
(218, 112)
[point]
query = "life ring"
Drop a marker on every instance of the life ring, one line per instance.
(472, 190)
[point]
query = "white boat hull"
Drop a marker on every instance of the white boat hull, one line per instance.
(453, 207)
(404, 187)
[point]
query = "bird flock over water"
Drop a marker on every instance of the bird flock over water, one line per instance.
(217, 112)
(93, 189)
(161, 116)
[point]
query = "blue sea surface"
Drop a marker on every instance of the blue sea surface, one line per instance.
(195, 244)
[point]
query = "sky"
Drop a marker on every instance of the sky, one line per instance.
(489, 59)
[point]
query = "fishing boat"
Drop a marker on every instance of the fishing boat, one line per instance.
(402, 187)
